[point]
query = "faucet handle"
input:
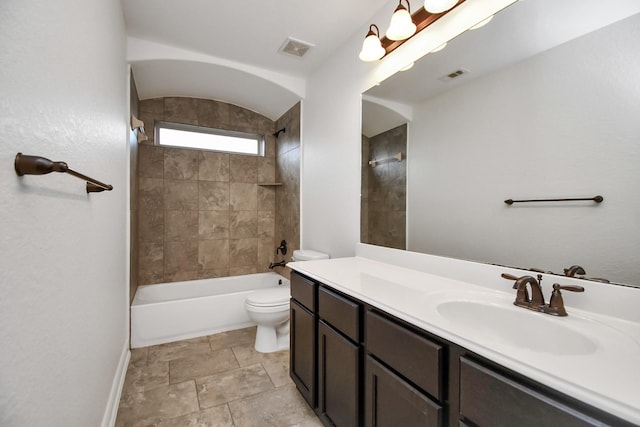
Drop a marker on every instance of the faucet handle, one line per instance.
(510, 277)
(556, 303)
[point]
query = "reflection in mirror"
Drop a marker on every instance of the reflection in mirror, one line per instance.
(544, 105)
(384, 180)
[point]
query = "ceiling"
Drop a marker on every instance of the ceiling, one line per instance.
(229, 50)
(520, 31)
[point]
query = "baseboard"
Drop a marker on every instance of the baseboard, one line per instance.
(109, 418)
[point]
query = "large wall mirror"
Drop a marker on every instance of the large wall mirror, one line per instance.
(543, 102)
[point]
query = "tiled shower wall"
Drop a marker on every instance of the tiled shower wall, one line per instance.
(384, 190)
(288, 174)
(204, 214)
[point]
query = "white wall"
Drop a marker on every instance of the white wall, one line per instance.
(63, 310)
(564, 123)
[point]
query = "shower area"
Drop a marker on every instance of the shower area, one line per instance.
(198, 214)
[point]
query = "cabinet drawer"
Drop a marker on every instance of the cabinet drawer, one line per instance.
(303, 290)
(411, 355)
(340, 312)
(490, 399)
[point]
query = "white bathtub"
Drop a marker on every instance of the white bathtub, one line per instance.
(180, 310)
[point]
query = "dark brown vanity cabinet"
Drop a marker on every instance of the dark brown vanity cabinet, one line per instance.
(357, 365)
(403, 375)
(492, 397)
(339, 359)
(303, 336)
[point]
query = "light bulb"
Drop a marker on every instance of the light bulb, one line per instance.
(372, 49)
(439, 6)
(401, 26)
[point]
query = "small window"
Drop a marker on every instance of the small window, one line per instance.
(203, 138)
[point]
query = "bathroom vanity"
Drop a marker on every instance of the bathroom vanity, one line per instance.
(377, 344)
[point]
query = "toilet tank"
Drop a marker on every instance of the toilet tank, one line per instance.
(308, 255)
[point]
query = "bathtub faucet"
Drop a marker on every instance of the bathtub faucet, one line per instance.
(277, 264)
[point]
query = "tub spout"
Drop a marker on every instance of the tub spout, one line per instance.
(272, 265)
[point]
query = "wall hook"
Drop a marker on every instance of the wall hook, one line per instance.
(36, 165)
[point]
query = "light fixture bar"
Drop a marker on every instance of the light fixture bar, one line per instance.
(422, 19)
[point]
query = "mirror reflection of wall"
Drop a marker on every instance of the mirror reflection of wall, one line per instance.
(544, 121)
(384, 179)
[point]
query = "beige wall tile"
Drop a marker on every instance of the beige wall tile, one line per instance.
(180, 195)
(180, 225)
(213, 196)
(243, 252)
(213, 225)
(266, 199)
(243, 168)
(213, 166)
(151, 161)
(180, 256)
(151, 225)
(241, 271)
(243, 224)
(213, 255)
(243, 196)
(180, 164)
(151, 193)
(181, 110)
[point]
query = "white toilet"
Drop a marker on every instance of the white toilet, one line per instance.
(269, 308)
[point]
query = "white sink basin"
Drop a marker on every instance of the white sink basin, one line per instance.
(517, 327)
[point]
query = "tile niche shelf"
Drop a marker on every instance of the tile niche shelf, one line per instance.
(269, 184)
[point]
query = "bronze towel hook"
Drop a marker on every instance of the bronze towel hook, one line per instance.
(36, 165)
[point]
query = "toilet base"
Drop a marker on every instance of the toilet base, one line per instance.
(270, 338)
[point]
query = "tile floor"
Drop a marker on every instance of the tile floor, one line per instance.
(219, 380)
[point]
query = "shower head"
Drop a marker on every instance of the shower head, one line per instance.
(277, 133)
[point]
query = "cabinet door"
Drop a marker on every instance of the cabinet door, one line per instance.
(490, 399)
(302, 354)
(338, 378)
(391, 402)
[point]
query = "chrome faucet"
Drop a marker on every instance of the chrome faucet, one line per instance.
(277, 264)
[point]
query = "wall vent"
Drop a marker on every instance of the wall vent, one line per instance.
(454, 75)
(295, 47)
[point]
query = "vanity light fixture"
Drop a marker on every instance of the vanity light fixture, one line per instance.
(372, 49)
(439, 6)
(401, 26)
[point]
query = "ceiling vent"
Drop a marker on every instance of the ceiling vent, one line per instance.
(295, 47)
(453, 75)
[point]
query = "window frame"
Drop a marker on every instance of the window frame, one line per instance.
(160, 124)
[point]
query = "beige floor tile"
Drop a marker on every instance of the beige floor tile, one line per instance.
(161, 403)
(282, 407)
(178, 349)
(218, 416)
(232, 385)
(231, 338)
(139, 356)
(201, 365)
(276, 364)
(144, 378)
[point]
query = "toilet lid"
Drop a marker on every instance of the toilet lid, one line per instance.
(271, 296)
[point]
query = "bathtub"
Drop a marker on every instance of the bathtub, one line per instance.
(175, 311)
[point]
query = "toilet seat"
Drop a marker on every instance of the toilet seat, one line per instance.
(273, 297)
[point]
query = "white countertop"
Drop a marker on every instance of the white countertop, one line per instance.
(607, 376)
